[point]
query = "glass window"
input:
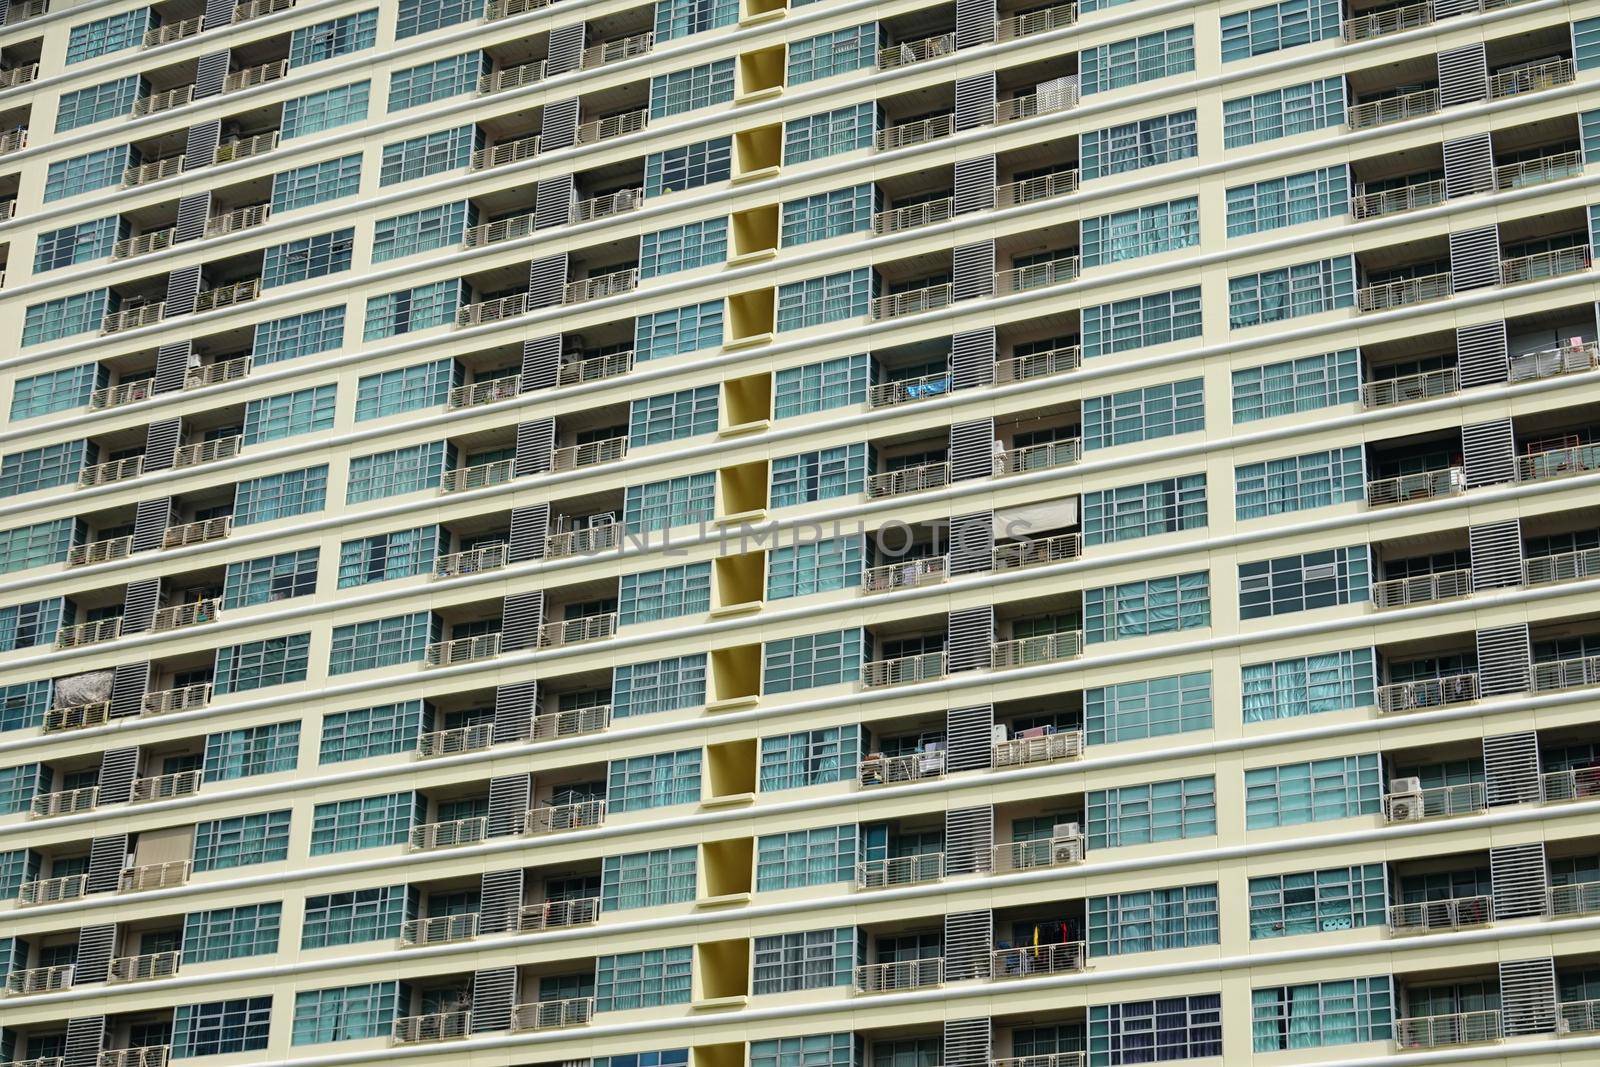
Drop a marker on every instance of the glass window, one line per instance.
(422, 231)
(43, 468)
(1143, 231)
(356, 917)
(1134, 511)
(1299, 483)
(221, 1027)
(833, 383)
(824, 475)
(348, 1013)
(1141, 321)
(680, 18)
(1155, 919)
(369, 822)
(1301, 583)
(1295, 198)
(23, 704)
(814, 567)
(298, 335)
(432, 153)
(410, 310)
(16, 867)
(813, 959)
(104, 36)
(831, 298)
(660, 685)
(20, 784)
(1153, 708)
(34, 546)
(688, 90)
(82, 243)
(1308, 685)
(1283, 112)
(1316, 791)
(683, 248)
(1322, 1013)
(309, 257)
(684, 501)
(403, 470)
(689, 167)
(825, 215)
(1151, 606)
(364, 646)
(288, 414)
(326, 110)
(1277, 26)
(1290, 387)
(647, 879)
(316, 183)
(812, 1050)
(366, 732)
(1161, 811)
(439, 80)
(1143, 414)
(278, 496)
(253, 750)
(1136, 60)
(422, 16)
(668, 593)
(67, 316)
(829, 134)
(1150, 1031)
(242, 841)
(425, 385)
(52, 391)
(1290, 292)
(669, 333)
(231, 933)
(814, 660)
(647, 979)
(336, 37)
(86, 173)
(30, 625)
(673, 416)
(840, 52)
(1338, 898)
(806, 857)
(811, 757)
(657, 781)
(383, 557)
(96, 103)
(258, 664)
(1135, 145)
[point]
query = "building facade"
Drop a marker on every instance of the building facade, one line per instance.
(713, 533)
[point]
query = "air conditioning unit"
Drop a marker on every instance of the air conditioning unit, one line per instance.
(1405, 785)
(1405, 807)
(1563, 1026)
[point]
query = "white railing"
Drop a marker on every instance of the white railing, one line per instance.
(89, 633)
(472, 561)
(1053, 1059)
(474, 738)
(1549, 362)
(1461, 1028)
(462, 650)
(1428, 693)
(1045, 852)
(155, 170)
(613, 126)
(1423, 485)
(440, 1026)
(100, 551)
(595, 368)
(512, 77)
(608, 204)
(1561, 567)
(1044, 648)
(920, 132)
(173, 31)
(1039, 550)
(227, 295)
(1392, 20)
(144, 244)
(1556, 462)
(254, 9)
(1575, 898)
(77, 716)
(1575, 672)
(1532, 77)
(484, 474)
(599, 286)
(1038, 365)
(1555, 263)
(253, 76)
(911, 302)
(575, 631)
(432, 835)
(1049, 455)
(1579, 783)
(1365, 205)
(504, 9)
(116, 470)
(1404, 292)
(908, 480)
(1392, 109)
(926, 667)
(554, 818)
(113, 396)
(557, 914)
(589, 454)
(1452, 914)
(29, 9)
(908, 390)
(906, 53)
(139, 1056)
(167, 786)
(243, 218)
(485, 392)
(164, 101)
(573, 722)
(552, 1014)
(1577, 1016)
(488, 233)
(1065, 958)
(900, 974)
(53, 890)
(245, 147)
(900, 870)
(1550, 168)
(439, 929)
(1042, 187)
(1045, 748)
(1422, 588)
(911, 767)
(1062, 97)
(1032, 22)
(505, 152)
(65, 802)
(153, 876)
(142, 968)
(1425, 386)
(598, 55)
(218, 448)
(227, 370)
(906, 574)
(1468, 798)
(583, 541)
(1037, 275)
(131, 318)
(927, 213)
(40, 979)
(183, 698)
(197, 533)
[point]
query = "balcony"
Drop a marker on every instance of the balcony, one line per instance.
(243, 218)
(117, 470)
(1383, 23)
(899, 975)
(599, 286)
(511, 78)
(245, 147)
(166, 101)
(1404, 292)
(1037, 551)
(212, 451)
(1532, 77)
(552, 1014)
(436, 835)
(143, 968)
(907, 53)
(65, 802)
(28, 9)
(1032, 22)
(474, 738)
(112, 548)
(167, 786)
(611, 126)
(462, 650)
(184, 698)
(505, 152)
(1043, 187)
(1414, 804)
(1044, 648)
(576, 631)
(504, 9)
(555, 818)
(89, 633)
(1538, 171)
(1392, 109)
(255, 9)
(1422, 589)
(909, 390)
(595, 368)
(608, 204)
(890, 770)
(1555, 263)
(1575, 898)
(154, 171)
(589, 454)
(558, 914)
(882, 673)
(1053, 1059)
(1389, 392)
(1364, 205)
(913, 216)
(142, 1056)
(1061, 850)
(77, 717)
(1068, 957)
(485, 392)
(53, 890)
(253, 76)
(479, 477)
(900, 870)
(1578, 784)
(1556, 462)
(1578, 1016)
(1041, 748)
(1428, 693)
(1561, 567)
(134, 317)
(1568, 358)
(440, 930)
(1062, 97)
(40, 980)
(907, 574)
(472, 561)
(441, 1026)
(144, 244)
(1037, 275)
(227, 295)
(908, 480)
(1434, 1031)
(153, 876)
(1424, 485)
(574, 722)
(911, 302)
(197, 533)
(1047, 456)
(115, 396)
(583, 541)
(598, 55)
(1574, 672)
(1038, 365)
(173, 31)
(1456, 913)
(912, 133)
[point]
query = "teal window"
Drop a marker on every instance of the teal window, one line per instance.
(1161, 811)
(1306, 902)
(1277, 26)
(1145, 607)
(1144, 231)
(647, 879)
(423, 16)
(1308, 685)
(1304, 582)
(1154, 1031)
(23, 704)
(96, 103)
(243, 841)
(1134, 511)
(52, 391)
(680, 18)
(66, 316)
(670, 333)
(812, 959)
(384, 557)
(1156, 707)
(686, 247)
(673, 416)
(258, 664)
(367, 732)
(402, 470)
(391, 392)
(1143, 414)
(831, 298)
(1586, 43)
(647, 979)
(690, 167)
(1141, 321)
(668, 593)
(806, 857)
(810, 757)
(16, 867)
(691, 89)
(298, 335)
(1288, 201)
(1589, 131)
(251, 751)
(231, 933)
(30, 625)
(1136, 60)
(1135, 145)
(660, 685)
(357, 917)
(348, 1013)
(812, 1050)
(309, 257)
(1283, 112)
(829, 134)
(432, 153)
(840, 52)
(82, 243)
(326, 110)
(1296, 385)
(336, 37)
(1299, 483)
(221, 1027)
(822, 475)
(811, 661)
(440, 80)
(1290, 292)
(422, 231)
(316, 183)
(87, 40)
(269, 579)
(410, 310)
(43, 468)
(34, 546)
(370, 822)
(86, 173)
(833, 383)
(279, 496)
(656, 781)
(289, 414)
(814, 567)
(1315, 791)
(363, 646)
(1340, 1012)
(825, 215)
(19, 785)
(1154, 919)
(662, 505)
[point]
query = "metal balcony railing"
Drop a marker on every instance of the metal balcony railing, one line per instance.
(1422, 588)
(130, 318)
(911, 302)
(1024, 961)
(227, 370)
(489, 233)
(245, 147)
(484, 392)
(1062, 97)
(1392, 20)
(28, 9)
(1392, 109)
(65, 802)
(89, 633)
(598, 55)
(608, 204)
(504, 9)
(1045, 748)
(184, 698)
(1577, 1016)
(589, 454)
(905, 574)
(462, 650)
(558, 914)
(14, 140)
(1468, 798)
(436, 835)
(1042, 187)
(574, 631)
(145, 967)
(898, 975)
(255, 9)
(920, 132)
(1428, 693)
(1047, 456)
(114, 396)
(1556, 462)
(908, 480)
(116, 470)
(1429, 915)
(1404, 292)
(598, 286)
(1549, 362)
(1574, 672)
(1365, 205)
(911, 767)
(1579, 783)
(1044, 648)
(253, 76)
(167, 786)
(1032, 22)
(1060, 851)
(1556, 263)
(40, 980)
(139, 1056)
(1561, 567)
(474, 738)
(912, 216)
(1423, 485)
(164, 101)
(153, 876)
(243, 218)
(155, 170)
(583, 541)
(197, 533)
(77, 716)
(1532, 77)
(439, 930)
(573, 722)
(1039, 550)
(53, 890)
(900, 870)
(555, 818)
(227, 295)
(440, 1026)
(908, 390)
(1551, 168)
(1053, 1059)
(1038, 365)
(1575, 898)
(477, 477)
(925, 667)
(174, 31)
(907, 53)
(100, 551)
(144, 244)
(472, 561)
(613, 126)
(1388, 392)
(1461, 1028)
(512, 78)
(218, 448)
(505, 152)
(1037, 275)
(595, 368)
(552, 1014)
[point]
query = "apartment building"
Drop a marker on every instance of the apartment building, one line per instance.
(746, 533)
